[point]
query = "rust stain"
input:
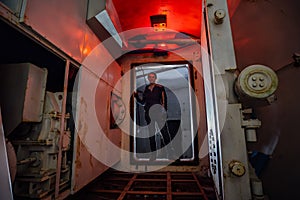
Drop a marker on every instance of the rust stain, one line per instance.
(82, 131)
(78, 164)
(77, 161)
(91, 161)
(82, 126)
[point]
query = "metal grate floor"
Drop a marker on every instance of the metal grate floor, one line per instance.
(143, 186)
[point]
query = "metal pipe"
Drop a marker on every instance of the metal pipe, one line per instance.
(27, 160)
(62, 129)
(170, 41)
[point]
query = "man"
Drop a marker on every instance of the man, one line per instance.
(155, 106)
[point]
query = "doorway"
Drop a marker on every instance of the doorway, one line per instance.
(180, 122)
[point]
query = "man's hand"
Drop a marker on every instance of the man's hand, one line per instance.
(135, 93)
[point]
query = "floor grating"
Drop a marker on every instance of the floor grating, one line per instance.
(114, 185)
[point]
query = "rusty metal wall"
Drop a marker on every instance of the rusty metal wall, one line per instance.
(278, 138)
(267, 32)
(94, 135)
(63, 23)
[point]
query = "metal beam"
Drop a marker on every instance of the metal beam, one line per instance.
(225, 134)
(5, 181)
(62, 130)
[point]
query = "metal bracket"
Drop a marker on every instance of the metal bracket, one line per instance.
(250, 126)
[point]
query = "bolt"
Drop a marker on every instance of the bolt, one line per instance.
(261, 78)
(219, 16)
(254, 84)
(261, 85)
(253, 78)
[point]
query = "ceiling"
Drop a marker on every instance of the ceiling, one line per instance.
(264, 31)
(182, 16)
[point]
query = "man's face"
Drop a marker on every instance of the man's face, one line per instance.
(151, 78)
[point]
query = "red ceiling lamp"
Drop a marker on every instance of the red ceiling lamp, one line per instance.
(159, 22)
